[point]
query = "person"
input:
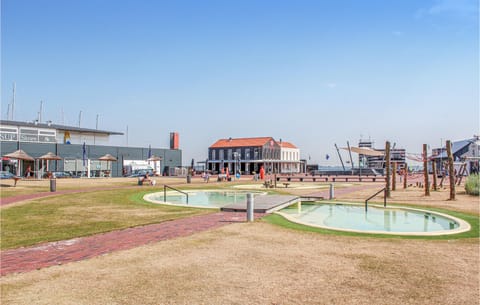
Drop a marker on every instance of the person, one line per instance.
(262, 173)
(28, 171)
(146, 178)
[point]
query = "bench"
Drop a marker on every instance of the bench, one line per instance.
(286, 184)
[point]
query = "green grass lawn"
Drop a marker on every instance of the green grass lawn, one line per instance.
(81, 214)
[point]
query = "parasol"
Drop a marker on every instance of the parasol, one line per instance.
(154, 159)
(107, 157)
(19, 155)
(49, 156)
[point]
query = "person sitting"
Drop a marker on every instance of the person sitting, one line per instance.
(145, 178)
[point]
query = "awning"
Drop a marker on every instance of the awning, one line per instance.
(365, 151)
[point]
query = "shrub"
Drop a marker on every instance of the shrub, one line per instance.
(472, 185)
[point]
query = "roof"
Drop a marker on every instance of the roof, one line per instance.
(456, 146)
(58, 127)
(287, 145)
(241, 142)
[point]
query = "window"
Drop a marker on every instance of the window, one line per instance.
(28, 135)
(213, 154)
(8, 134)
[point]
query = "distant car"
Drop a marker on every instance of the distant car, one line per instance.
(6, 175)
(61, 175)
(141, 174)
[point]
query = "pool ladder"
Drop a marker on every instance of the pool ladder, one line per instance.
(384, 190)
(172, 188)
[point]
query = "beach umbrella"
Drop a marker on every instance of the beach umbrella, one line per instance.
(19, 155)
(108, 158)
(154, 159)
(49, 156)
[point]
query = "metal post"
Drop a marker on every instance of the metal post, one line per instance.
(250, 207)
(332, 192)
(425, 170)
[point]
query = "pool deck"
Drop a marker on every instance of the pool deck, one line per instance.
(264, 204)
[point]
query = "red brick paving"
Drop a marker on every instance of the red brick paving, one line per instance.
(56, 253)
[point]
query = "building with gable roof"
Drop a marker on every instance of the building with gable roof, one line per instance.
(466, 150)
(248, 155)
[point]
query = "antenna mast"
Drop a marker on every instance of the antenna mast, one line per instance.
(13, 101)
(40, 112)
(80, 119)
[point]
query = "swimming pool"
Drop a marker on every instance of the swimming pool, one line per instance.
(393, 220)
(201, 198)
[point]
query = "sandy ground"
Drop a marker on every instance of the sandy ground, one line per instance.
(259, 263)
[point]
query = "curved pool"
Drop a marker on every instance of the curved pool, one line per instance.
(201, 198)
(380, 220)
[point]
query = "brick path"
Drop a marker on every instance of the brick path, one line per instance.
(56, 253)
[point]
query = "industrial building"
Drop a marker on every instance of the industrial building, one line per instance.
(79, 149)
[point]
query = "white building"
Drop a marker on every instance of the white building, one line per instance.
(289, 158)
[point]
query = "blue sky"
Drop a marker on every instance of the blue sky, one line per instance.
(314, 73)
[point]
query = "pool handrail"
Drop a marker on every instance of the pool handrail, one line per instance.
(384, 190)
(172, 188)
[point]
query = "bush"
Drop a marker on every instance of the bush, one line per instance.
(472, 185)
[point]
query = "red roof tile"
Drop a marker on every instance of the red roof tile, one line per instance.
(287, 145)
(241, 142)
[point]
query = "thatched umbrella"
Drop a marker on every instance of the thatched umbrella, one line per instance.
(19, 155)
(154, 159)
(49, 156)
(107, 157)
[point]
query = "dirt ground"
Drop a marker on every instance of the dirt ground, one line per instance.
(259, 263)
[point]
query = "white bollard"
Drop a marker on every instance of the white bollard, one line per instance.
(332, 192)
(250, 207)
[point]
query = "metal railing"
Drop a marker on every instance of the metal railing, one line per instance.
(172, 188)
(384, 190)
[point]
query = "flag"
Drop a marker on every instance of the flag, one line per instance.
(149, 151)
(327, 156)
(84, 154)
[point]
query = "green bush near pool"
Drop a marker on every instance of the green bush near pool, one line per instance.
(472, 185)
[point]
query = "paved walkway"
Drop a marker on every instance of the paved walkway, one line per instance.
(57, 253)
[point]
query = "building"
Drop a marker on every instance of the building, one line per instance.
(248, 155)
(463, 151)
(397, 155)
(79, 149)
(289, 158)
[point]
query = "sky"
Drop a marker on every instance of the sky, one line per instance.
(311, 72)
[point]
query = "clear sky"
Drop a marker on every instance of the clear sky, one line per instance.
(313, 73)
